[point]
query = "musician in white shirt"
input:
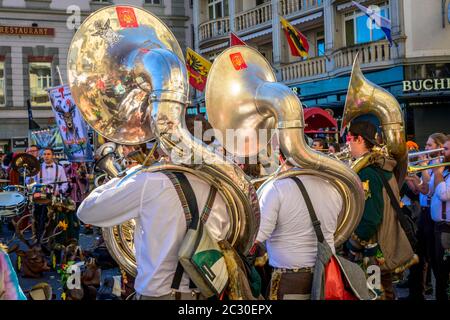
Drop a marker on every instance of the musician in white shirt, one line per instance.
(152, 200)
(50, 174)
(287, 229)
(440, 213)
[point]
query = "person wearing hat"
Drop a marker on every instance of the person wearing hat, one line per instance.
(379, 239)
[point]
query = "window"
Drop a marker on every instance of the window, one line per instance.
(153, 1)
(217, 9)
(2, 84)
(320, 44)
(40, 79)
(359, 29)
(260, 2)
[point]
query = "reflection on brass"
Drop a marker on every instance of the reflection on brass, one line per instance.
(106, 73)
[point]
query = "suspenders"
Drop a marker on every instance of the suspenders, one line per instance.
(444, 204)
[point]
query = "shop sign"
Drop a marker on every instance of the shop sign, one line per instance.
(19, 143)
(26, 31)
(426, 85)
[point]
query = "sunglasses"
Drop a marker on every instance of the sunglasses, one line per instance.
(350, 138)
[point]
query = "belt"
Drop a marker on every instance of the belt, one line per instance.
(176, 295)
(295, 270)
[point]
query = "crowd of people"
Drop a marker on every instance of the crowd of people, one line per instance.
(284, 237)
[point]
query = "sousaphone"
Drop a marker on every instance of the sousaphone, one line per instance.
(127, 74)
(242, 94)
(365, 97)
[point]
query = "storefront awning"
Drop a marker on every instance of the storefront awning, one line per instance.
(317, 118)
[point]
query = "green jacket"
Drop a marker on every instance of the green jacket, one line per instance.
(374, 206)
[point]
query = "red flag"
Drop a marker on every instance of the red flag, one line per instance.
(198, 68)
(127, 18)
(297, 41)
(236, 41)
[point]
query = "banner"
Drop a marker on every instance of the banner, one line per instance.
(47, 138)
(198, 68)
(298, 43)
(71, 125)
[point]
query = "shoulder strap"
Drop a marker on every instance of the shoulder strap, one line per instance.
(444, 203)
(312, 212)
(186, 196)
(56, 178)
(189, 203)
(392, 197)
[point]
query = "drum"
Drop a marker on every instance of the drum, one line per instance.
(12, 203)
(42, 194)
(15, 188)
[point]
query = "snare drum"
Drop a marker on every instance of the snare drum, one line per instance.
(12, 203)
(42, 194)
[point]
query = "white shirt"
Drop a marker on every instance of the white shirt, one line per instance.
(425, 199)
(442, 193)
(286, 224)
(151, 199)
(48, 176)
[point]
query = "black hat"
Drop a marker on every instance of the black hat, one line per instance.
(365, 129)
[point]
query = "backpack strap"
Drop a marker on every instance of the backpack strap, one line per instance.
(190, 208)
(312, 212)
(186, 196)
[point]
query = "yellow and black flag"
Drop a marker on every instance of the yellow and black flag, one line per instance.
(198, 68)
(297, 41)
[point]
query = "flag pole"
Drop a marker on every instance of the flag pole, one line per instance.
(59, 75)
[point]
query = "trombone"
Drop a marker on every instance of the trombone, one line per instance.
(414, 168)
(426, 152)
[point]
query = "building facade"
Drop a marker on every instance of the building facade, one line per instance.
(35, 36)
(415, 69)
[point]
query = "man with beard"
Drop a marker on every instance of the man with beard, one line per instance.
(440, 213)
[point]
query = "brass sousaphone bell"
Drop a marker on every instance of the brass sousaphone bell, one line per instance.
(365, 97)
(107, 62)
(242, 94)
(128, 76)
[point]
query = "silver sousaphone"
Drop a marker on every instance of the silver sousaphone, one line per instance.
(127, 74)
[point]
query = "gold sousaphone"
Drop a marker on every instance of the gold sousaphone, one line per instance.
(364, 97)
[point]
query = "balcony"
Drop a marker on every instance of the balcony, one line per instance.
(255, 19)
(289, 7)
(304, 69)
(214, 29)
(372, 54)
(252, 18)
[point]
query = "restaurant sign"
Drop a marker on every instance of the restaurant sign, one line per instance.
(26, 31)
